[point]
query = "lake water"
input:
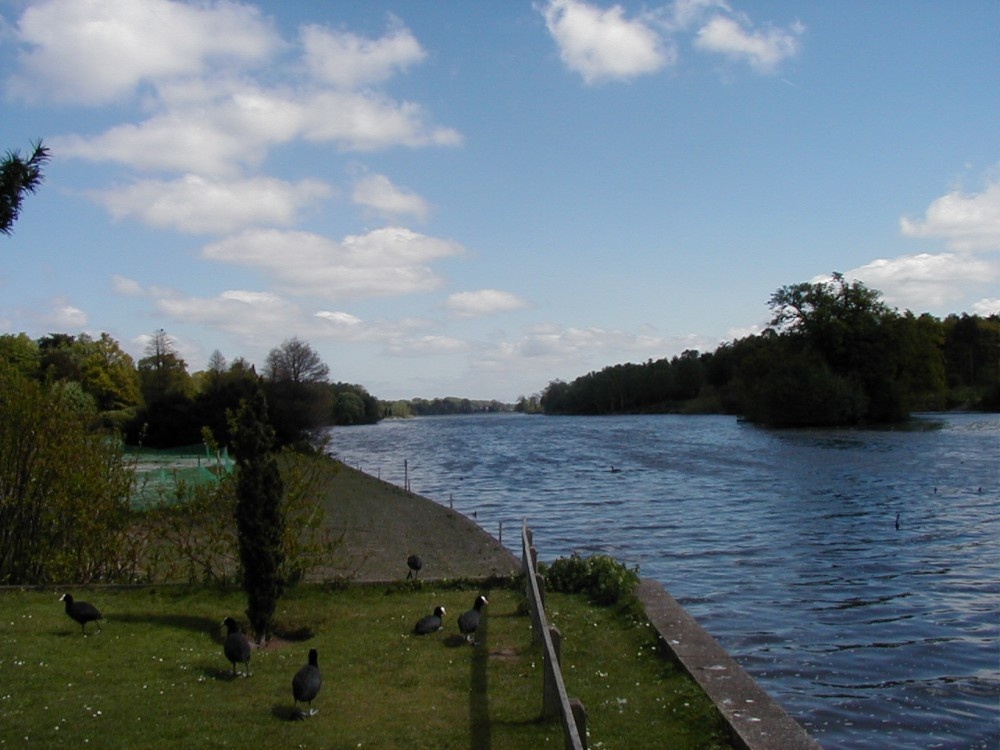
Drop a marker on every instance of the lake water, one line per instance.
(782, 544)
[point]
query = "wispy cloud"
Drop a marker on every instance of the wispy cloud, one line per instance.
(378, 193)
(200, 205)
(385, 262)
(484, 302)
(347, 60)
(763, 49)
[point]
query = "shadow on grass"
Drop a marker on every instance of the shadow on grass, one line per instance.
(223, 674)
(70, 632)
(286, 712)
(207, 625)
(479, 697)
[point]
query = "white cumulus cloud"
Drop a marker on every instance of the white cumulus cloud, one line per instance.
(96, 51)
(217, 87)
(927, 282)
(602, 44)
(987, 307)
(965, 221)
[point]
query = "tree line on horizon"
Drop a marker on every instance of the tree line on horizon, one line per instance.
(157, 403)
(834, 354)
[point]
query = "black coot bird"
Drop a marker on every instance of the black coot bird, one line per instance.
(431, 623)
(82, 612)
(414, 563)
(306, 684)
(468, 622)
(236, 647)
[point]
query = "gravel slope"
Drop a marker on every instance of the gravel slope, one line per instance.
(382, 524)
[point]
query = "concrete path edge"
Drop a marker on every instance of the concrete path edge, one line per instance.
(756, 721)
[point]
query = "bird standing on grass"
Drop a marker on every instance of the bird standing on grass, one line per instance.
(430, 623)
(82, 612)
(306, 684)
(236, 647)
(468, 622)
(414, 563)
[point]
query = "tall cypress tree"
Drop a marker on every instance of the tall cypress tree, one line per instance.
(259, 520)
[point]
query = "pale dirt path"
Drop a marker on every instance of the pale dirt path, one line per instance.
(382, 524)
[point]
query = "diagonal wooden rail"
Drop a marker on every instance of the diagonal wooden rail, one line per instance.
(554, 697)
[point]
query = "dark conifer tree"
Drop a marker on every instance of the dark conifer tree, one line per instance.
(259, 520)
(19, 177)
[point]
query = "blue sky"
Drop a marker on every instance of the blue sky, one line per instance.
(474, 199)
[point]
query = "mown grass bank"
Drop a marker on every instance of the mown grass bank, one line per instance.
(156, 677)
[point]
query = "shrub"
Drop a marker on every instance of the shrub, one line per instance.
(605, 580)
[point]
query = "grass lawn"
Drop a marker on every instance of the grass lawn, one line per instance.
(155, 676)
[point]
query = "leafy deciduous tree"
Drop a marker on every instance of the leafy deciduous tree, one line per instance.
(296, 362)
(64, 490)
(298, 395)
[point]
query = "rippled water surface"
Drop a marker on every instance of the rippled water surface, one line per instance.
(783, 544)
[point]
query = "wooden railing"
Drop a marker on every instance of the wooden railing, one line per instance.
(555, 700)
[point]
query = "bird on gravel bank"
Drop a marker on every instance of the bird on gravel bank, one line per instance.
(306, 684)
(82, 612)
(414, 563)
(468, 622)
(430, 623)
(236, 647)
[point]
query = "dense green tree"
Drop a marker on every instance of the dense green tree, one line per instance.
(921, 365)
(786, 385)
(972, 351)
(853, 333)
(348, 408)
(259, 520)
(168, 417)
(64, 489)
(100, 366)
(221, 393)
(353, 404)
(18, 178)
(20, 352)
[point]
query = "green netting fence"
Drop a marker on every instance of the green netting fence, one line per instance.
(160, 471)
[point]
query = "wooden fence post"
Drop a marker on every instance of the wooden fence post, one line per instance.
(580, 719)
(555, 702)
(551, 702)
